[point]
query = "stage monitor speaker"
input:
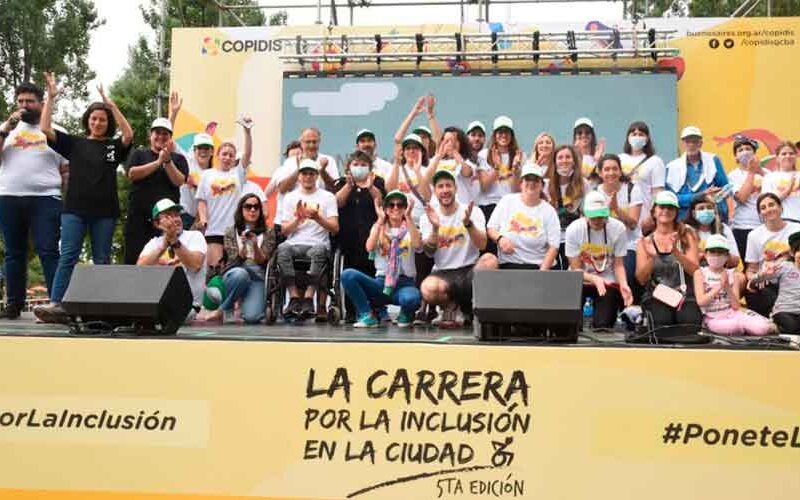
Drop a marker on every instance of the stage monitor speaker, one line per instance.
(149, 299)
(522, 303)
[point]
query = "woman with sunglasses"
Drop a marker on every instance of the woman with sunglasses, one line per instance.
(248, 246)
(393, 240)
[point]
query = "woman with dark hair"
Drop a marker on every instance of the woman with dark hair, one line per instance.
(642, 166)
(767, 246)
(565, 189)
(91, 204)
(248, 247)
(704, 218)
(429, 136)
(453, 155)
(747, 179)
(408, 171)
(665, 264)
(589, 148)
(785, 181)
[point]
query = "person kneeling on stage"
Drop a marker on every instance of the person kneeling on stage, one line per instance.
(392, 241)
(176, 247)
(310, 216)
(597, 244)
(524, 226)
(454, 235)
(786, 311)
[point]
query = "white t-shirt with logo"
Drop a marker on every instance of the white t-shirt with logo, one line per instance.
(764, 245)
(289, 167)
(407, 266)
(597, 249)
(725, 230)
(455, 246)
(28, 167)
(381, 167)
(587, 166)
(746, 214)
(221, 190)
(624, 201)
(783, 180)
(309, 232)
(193, 241)
(532, 230)
(505, 178)
(649, 175)
(189, 193)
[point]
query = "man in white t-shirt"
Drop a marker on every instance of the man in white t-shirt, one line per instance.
(289, 172)
(365, 141)
(453, 234)
(596, 244)
(476, 135)
(309, 216)
(30, 196)
(176, 247)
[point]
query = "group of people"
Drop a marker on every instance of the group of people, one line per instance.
(412, 229)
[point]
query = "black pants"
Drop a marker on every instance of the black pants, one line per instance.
(740, 235)
(606, 307)
(562, 262)
(787, 322)
(424, 265)
(666, 320)
(761, 301)
(138, 231)
(491, 246)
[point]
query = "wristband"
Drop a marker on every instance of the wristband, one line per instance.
(468, 224)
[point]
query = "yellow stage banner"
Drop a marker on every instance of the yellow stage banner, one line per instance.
(98, 419)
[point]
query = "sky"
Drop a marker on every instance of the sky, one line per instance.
(108, 53)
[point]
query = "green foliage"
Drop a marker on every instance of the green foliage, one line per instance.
(712, 8)
(279, 18)
(45, 35)
(135, 90)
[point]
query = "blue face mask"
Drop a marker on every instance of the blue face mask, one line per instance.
(704, 217)
(359, 172)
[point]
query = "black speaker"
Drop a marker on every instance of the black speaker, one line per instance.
(149, 299)
(522, 303)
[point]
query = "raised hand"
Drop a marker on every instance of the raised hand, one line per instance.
(175, 103)
(673, 239)
(13, 119)
(420, 105)
(430, 104)
(517, 161)
(52, 87)
(163, 155)
(468, 213)
(601, 149)
(380, 212)
(432, 216)
(409, 209)
(311, 213)
(300, 211)
(246, 121)
(649, 247)
(349, 179)
(370, 180)
(323, 163)
(103, 96)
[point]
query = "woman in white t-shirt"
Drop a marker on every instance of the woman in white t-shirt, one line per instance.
(453, 155)
(218, 194)
(747, 179)
(589, 148)
(524, 227)
(202, 159)
(625, 203)
(642, 167)
(565, 189)
(543, 153)
(785, 181)
(392, 241)
(767, 246)
(703, 217)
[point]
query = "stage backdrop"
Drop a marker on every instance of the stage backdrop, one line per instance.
(102, 419)
(733, 75)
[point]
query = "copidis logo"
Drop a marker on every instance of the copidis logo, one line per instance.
(213, 46)
(210, 46)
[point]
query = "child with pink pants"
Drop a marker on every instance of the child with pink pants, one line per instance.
(717, 292)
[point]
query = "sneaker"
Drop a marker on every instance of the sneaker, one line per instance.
(421, 319)
(307, 309)
(404, 320)
(383, 315)
(449, 318)
(12, 311)
(293, 309)
(51, 313)
(366, 321)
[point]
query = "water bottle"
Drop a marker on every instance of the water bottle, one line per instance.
(588, 309)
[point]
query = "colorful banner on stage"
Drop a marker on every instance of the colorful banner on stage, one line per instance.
(734, 76)
(96, 419)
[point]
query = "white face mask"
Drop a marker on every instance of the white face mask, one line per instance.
(565, 171)
(716, 261)
(637, 142)
(359, 172)
(743, 158)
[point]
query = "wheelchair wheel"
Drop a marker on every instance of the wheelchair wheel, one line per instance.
(269, 315)
(334, 315)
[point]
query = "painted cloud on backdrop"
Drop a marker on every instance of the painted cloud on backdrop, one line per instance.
(352, 99)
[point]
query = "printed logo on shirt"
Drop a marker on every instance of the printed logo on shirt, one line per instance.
(26, 140)
(194, 179)
(784, 183)
(525, 226)
(451, 237)
(404, 248)
(309, 206)
(757, 180)
(168, 258)
(111, 153)
(504, 173)
(449, 165)
(627, 168)
(587, 169)
(222, 187)
(594, 252)
(774, 249)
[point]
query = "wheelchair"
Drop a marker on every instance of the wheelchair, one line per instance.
(276, 293)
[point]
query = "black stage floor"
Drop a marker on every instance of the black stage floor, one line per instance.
(311, 332)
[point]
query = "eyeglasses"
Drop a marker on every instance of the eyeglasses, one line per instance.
(396, 205)
(250, 206)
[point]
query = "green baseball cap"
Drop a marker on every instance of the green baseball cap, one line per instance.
(442, 172)
(163, 205)
(395, 193)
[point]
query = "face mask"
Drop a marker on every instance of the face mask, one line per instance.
(744, 157)
(359, 173)
(716, 261)
(637, 142)
(704, 216)
(565, 171)
(30, 116)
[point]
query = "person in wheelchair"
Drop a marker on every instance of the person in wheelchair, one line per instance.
(392, 241)
(309, 216)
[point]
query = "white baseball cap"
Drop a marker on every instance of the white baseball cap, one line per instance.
(595, 204)
(690, 131)
(308, 164)
(423, 129)
(718, 241)
(666, 199)
(583, 121)
(413, 139)
(532, 169)
(202, 139)
(363, 132)
(476, 124)
(161, 123)
(503, 121)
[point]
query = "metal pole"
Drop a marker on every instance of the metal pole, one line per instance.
(319, 12)
(162, 36)
(486, 3)
(769, 8)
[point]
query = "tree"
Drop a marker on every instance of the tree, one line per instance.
(45, 35)
(712, 8)
(279, 18)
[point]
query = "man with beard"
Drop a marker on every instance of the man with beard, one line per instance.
(156, 172)
(365, 141)
(30, 196)
(476, 134)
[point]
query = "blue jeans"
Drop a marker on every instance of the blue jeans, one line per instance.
(73, 231)
(366, 292)
(20, 215)
(239, 284)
